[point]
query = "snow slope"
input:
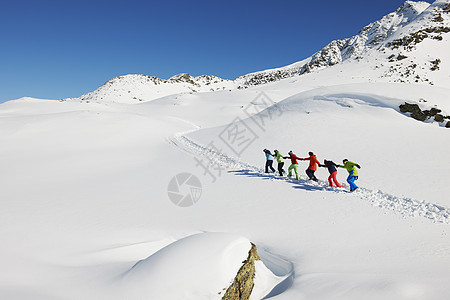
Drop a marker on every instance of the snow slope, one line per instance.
(84, 191)
(85, 187)
(209, 261)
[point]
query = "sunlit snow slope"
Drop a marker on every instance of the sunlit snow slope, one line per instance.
(85, 211)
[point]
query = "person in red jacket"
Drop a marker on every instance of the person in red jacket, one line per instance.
(294, 164)
(313, 162)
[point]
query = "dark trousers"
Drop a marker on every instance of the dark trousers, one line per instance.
(311, 175)
(269, 165)
(280, 168)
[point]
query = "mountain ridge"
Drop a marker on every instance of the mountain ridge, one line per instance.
(382, 46)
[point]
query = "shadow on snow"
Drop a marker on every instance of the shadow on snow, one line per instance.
(302, 184)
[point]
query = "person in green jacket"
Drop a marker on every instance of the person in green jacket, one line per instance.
(352, 173)
(280, 161)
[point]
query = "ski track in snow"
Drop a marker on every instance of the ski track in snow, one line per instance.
(403, 206)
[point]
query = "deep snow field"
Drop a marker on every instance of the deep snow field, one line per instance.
(84, 203)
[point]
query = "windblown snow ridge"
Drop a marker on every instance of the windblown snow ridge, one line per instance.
(400, 205)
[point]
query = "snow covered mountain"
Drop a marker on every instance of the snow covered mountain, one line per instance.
(403, 46)
(93, 196)
(382, 45)
(135, 88)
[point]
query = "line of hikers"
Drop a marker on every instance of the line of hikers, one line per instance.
(312, 168)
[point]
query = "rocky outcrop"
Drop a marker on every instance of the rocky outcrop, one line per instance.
(410, 41)
(242, 286)
(267, 77)
(372, 36)
(328, 56)
(433, 114)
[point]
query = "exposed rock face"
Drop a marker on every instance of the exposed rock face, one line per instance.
(415, 111)
(422, 115)
(411, 40)
(439, 118)
(373, 36)
(267, 77)
(328, 56)
(370, 36)
(242, 286)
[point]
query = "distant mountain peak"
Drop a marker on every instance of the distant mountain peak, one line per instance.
(412, 8)
(134, 88)
(183, 77)
(387, 41)
(410, 23)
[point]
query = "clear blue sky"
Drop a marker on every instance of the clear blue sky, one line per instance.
(59, 49)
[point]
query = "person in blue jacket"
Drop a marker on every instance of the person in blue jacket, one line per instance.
(269, 160)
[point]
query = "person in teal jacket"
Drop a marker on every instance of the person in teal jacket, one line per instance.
(352, 173)
(269, 160)
(280, 161)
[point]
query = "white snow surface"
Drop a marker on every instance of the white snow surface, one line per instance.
(84, 189)
(200, 265)
(186, 268)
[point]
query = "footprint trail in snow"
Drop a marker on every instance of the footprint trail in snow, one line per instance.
(403, 206)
